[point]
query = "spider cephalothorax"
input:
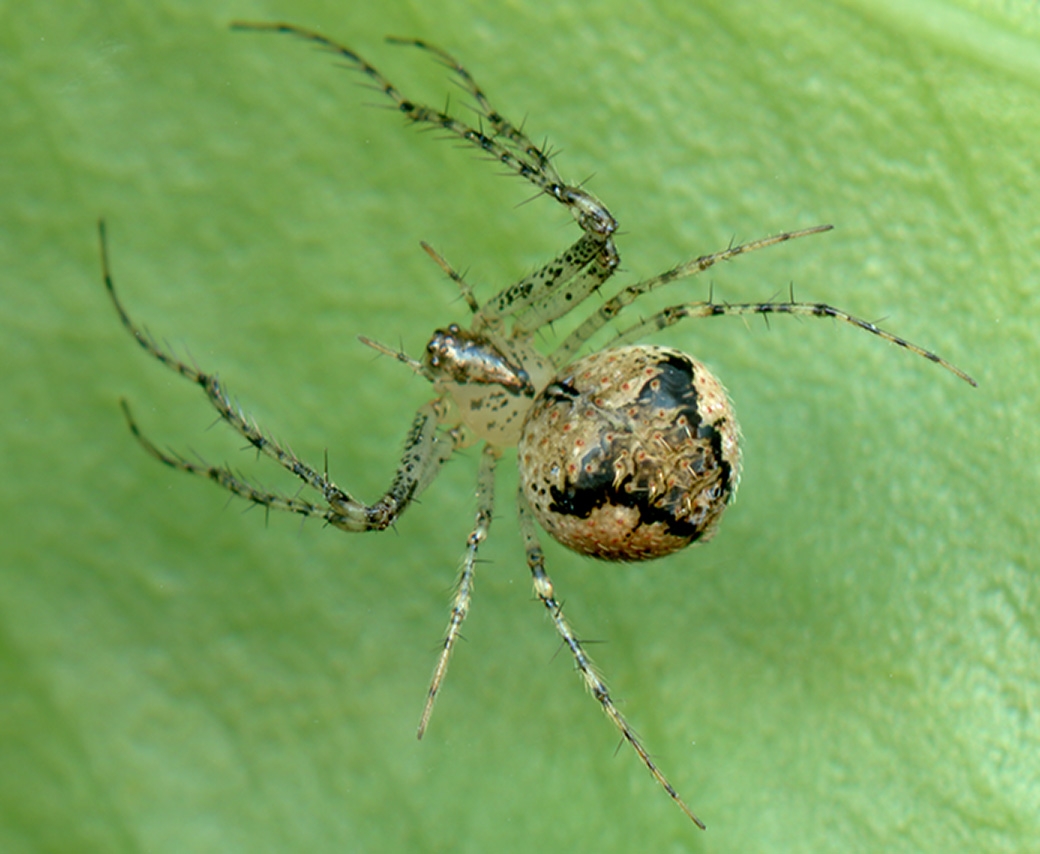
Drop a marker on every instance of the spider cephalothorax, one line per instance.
(628, 453)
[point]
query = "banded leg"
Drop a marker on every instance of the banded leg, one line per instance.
(340, 510)
(543, 588)
(464, 587)
(672, 315)
(426, 447)
(589, 212)
(537, 157)
(610, 309)
(224, 477)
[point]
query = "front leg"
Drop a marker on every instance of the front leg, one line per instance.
(426, 446)
(538, 287)
(426, 450)
(567, 296)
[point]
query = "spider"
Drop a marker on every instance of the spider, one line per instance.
(628, 453)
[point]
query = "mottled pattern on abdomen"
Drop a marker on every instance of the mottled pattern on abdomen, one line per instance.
(630, 454)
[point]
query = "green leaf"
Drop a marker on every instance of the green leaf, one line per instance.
(850, 665)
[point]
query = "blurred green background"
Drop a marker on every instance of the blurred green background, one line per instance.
(851, 666)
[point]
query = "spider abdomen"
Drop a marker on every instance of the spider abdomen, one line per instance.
(630, 454)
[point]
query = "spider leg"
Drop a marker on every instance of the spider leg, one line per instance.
(456, 277)
(590, 213)
(568, 295)
(464, 587)
(543, 588)
(499, 124)
(426, 447)
(610, 309)
(425, 452)
(226, 478)
(536, 288)
(209, 383)
(672, 315)
(398, 355)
